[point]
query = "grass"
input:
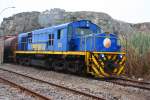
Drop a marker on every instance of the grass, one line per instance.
(138, 55)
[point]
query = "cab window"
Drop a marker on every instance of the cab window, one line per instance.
(83, 31)
(51, 39)
(59, 34)
(30, 37)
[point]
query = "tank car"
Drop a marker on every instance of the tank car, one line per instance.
(78, 47)
(9, 47)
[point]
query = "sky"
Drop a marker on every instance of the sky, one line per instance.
(132, 11)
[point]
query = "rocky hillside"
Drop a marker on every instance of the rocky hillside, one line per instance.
(142, 27)
(21, 22)
(27, 21)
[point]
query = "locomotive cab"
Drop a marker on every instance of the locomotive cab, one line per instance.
(108, 59)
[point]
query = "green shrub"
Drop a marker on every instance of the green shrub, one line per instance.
(138, 54)
(140, 42)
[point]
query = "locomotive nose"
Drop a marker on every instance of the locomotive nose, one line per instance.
(110, 65)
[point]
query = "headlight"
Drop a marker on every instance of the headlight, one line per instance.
(120, 56)
(107, 42)
(102, 55)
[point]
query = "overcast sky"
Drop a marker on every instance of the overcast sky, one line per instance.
(132, 11)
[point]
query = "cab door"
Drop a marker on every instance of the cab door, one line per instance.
(61, 39)
(24, 43)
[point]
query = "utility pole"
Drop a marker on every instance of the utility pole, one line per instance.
(1, 46)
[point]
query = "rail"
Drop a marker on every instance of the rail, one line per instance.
(53, 84)
(131, 83)
(41, 97)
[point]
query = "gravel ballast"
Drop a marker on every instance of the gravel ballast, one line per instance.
(103, 89)
(8, 92)
(42, 88)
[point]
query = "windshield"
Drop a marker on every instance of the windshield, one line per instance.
(83, 31)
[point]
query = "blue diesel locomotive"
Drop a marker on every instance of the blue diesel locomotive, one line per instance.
(77, 47)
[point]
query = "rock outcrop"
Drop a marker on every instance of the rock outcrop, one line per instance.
(21, 22)
(28, 21)
(143, 27)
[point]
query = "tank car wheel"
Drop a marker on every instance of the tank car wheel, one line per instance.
(27, 61)
(17, 60)
(23, 61)
(20, 61)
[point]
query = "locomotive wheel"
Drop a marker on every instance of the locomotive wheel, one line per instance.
(65, 66)
(49, 64)
(81, 70)
(73, 67)
(59, 65)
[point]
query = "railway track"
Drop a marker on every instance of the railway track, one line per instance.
(52, 84)
(24, 89)
(131, 83)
